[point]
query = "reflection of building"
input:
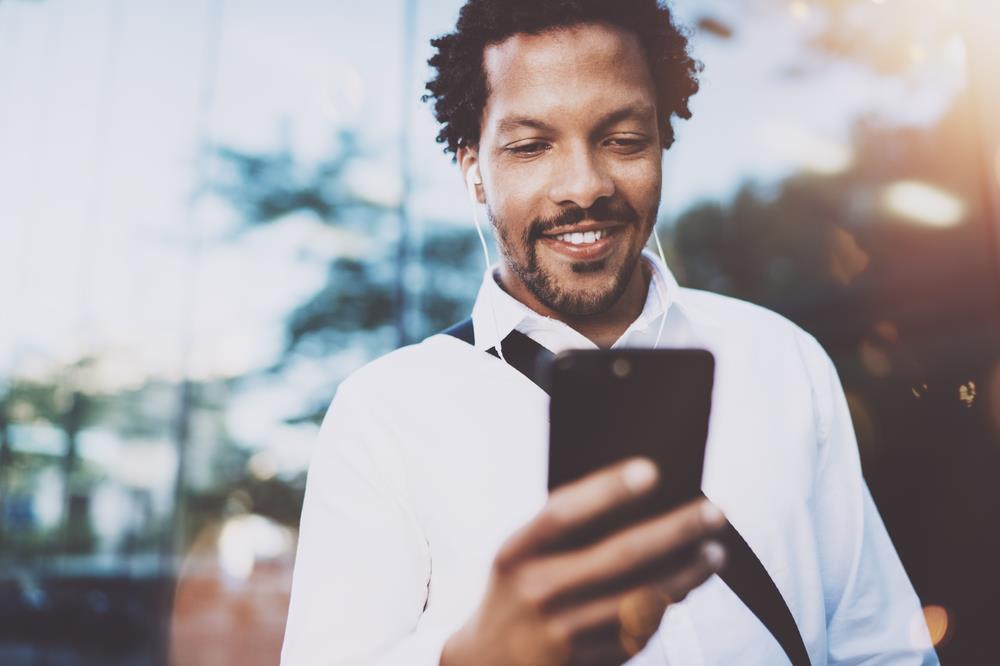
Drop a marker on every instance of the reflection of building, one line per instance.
(913, 358)
(87, 515)
(118, 478)
(119, 494)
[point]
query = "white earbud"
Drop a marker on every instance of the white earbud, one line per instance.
(472, 179)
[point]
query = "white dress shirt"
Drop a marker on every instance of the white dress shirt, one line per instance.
(431, 456)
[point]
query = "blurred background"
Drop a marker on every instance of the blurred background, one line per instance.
(211, 212)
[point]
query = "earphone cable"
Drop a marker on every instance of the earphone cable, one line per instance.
(486, 258)
(663, 300)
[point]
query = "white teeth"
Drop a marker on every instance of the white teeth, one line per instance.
(582, 238)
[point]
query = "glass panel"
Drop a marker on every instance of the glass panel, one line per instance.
(211, 213)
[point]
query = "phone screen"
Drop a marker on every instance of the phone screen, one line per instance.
(608, 405)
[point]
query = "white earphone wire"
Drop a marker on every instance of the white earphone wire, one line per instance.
(663, 300)
(471, 181)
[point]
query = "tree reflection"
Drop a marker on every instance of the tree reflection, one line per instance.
(885, 251)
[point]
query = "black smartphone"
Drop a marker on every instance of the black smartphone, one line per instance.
(608, 405)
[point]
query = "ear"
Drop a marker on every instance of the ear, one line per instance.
(468, 162)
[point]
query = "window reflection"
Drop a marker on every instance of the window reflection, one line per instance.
(202, 210)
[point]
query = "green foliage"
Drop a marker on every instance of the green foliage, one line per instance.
(812, 235)
(264, 187)
(762, 248)
(360, 296)
(452, 266)
(357, 297)
(50, 402)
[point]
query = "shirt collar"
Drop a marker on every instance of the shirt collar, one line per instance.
(496, 313)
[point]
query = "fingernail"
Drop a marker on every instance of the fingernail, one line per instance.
(712, 515)
(639, 475)
(714, 554)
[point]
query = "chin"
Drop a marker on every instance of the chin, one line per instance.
(573, 288)
(584, 267)
(586, 304)
(588, 291)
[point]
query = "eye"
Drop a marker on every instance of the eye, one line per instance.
(528, 149)
(628, 144)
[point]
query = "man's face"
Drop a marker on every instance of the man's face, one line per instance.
(570, 144)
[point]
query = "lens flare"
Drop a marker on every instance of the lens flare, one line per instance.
(874, 359)
(923, 204)
(847, 259)
(245, 540)
(887, 330)
(933, 620)
(799, 9)
(967, 393)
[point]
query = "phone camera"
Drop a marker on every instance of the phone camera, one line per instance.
(621, 368)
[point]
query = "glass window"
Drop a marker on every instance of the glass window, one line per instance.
(211, 213)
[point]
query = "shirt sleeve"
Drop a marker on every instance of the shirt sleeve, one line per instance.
(873, 614)
(362, 568)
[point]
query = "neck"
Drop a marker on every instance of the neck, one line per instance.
(602, 329)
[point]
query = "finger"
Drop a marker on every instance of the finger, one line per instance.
(637, 613)
(576, 504)
(636, 554)
(611, 646)
(711, 559)
(610, 649)
(639, 610)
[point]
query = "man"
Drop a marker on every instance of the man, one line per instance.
(428, 536)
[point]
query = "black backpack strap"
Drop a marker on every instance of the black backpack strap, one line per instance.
(744, 573)
(746, 576)
(463, 331)
(521, 352)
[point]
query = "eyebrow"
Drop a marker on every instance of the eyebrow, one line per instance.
(638, 111)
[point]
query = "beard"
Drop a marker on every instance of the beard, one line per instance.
(520, 252)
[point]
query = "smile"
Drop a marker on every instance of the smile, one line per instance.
(589, 245)
(584, 238)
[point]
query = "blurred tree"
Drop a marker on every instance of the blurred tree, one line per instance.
(892, 296)
(888, 37)
(64, 407)
(892, 265)
(817, 234)
(355, 308)
(264, 187)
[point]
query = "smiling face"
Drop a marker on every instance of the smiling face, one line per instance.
(569, 155)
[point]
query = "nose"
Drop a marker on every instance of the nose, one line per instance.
(580, 179)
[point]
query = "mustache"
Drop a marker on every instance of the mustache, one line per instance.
(603, 210)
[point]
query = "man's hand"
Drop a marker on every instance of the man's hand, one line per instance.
(598, 604)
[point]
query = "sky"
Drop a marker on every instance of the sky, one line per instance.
(105, 106)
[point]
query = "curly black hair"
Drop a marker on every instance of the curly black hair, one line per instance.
(460, 89)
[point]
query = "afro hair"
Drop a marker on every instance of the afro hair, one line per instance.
(460, 89)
